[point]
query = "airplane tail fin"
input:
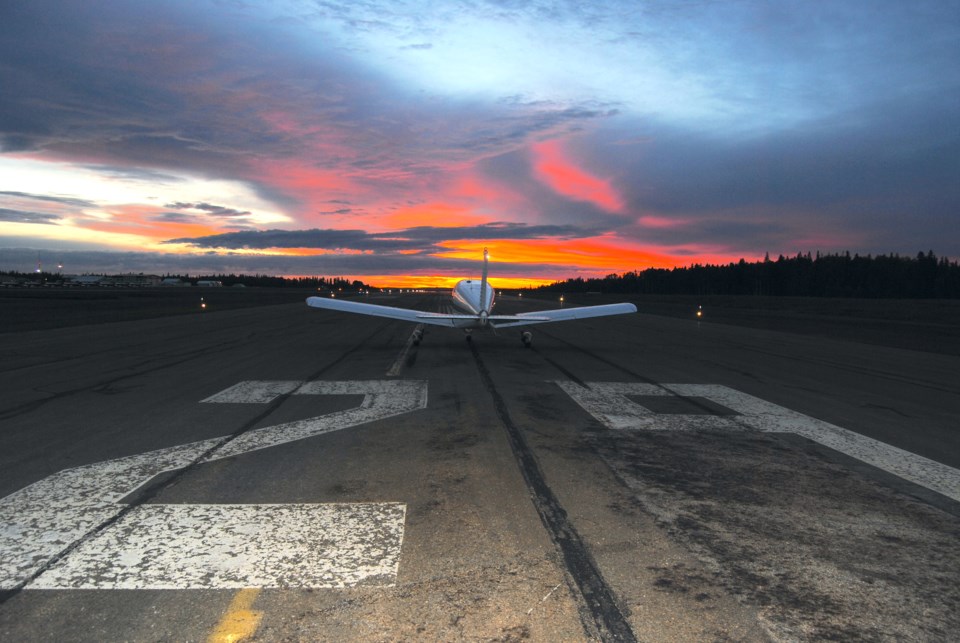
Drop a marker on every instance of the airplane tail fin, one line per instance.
(483, 283)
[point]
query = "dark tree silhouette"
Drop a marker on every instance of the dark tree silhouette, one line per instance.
(841, 275)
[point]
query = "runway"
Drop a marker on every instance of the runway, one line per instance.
(296, 474)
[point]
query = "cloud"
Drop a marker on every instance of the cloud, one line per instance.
(71, 201)
(133, 173)
(19, 216)
(85, 261)
(736, 127)
(213, 210)
(875, 180)
(554, 168)
(416, 239)
(173, 217)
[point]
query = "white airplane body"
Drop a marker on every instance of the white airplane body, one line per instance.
(475, 299)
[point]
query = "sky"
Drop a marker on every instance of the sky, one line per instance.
(391, 141)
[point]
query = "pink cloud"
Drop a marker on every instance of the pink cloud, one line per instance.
(556, 170)
(660, 223)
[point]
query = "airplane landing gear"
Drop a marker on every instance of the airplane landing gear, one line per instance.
(526, 337)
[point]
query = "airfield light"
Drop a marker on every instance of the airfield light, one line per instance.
(203, 304)
(699, 311)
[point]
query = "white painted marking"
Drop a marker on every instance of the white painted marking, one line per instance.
(237, 546)
(254, 392)
(382, 399)
(40, 522)
(608, 403)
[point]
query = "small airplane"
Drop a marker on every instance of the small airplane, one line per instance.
(475, 298)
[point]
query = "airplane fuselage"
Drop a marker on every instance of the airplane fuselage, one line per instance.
(474, 299)
(469, 294)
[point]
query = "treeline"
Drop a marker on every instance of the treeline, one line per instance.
(262, 281)
(270, 281)
(840, 275)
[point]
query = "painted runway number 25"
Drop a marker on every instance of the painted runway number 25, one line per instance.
(69, 531)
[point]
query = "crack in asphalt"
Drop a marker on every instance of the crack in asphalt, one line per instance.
(33, 405)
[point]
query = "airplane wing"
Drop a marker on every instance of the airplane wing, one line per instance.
(560, 314)
(406, 314)
(470, 321)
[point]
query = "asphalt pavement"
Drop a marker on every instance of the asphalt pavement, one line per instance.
(285, 473)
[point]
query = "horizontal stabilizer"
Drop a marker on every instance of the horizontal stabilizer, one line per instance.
(470, 321)
(562, 314)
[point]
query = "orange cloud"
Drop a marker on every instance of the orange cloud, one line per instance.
(143, 221)
(554, 168)
(440, 215)
(660, 223)
(443, 281)
(598, 255)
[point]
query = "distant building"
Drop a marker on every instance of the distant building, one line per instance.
(142, 281)
(210, 283)
(175, 282)
(85, 280)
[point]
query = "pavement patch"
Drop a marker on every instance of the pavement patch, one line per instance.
(612, 403)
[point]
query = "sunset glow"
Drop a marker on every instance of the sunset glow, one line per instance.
(562, 175)
(390, 143)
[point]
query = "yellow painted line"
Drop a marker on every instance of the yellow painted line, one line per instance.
(240, 622)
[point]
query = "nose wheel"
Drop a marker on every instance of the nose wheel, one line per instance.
(526, 337)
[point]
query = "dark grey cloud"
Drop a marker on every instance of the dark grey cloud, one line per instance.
(19, 216)
(84, 83)
(209, 208)
(843, 117)
(329, 265)
(174, 217)
(876, 180)
(132, 173)
(79, 203)
(420, 239)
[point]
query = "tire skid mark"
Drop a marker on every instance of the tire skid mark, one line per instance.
(596, 595)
